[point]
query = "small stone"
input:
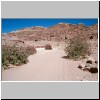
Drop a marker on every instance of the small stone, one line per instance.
(81, 66)
(89, 61)
(96, 61)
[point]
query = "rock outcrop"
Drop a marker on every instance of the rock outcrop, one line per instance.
(90, 65)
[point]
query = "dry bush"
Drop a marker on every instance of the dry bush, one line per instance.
(30, 50)
(48, 47)
(78, 48)
(15, 55)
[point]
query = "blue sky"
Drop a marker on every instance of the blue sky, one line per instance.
(9, 25)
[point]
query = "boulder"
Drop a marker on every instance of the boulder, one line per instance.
(93, 70)
(90, 60)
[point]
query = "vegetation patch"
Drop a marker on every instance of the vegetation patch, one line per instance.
(16, 55)
(78, 48)
(48, 47)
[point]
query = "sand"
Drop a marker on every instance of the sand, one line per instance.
(48, 65)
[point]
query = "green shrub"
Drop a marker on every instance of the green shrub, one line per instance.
(48, 47)
(77, 48)
(15, 55)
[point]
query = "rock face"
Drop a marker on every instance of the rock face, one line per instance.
(58, 32)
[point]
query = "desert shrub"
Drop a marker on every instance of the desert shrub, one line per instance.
(77, 48)
(48, 47)
(16, 55)
(30, 50)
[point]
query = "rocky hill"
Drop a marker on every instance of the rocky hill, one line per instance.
(59, 32)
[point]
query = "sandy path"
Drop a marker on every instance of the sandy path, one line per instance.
(47, 65)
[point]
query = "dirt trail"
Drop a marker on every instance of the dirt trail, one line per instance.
(47, 65)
